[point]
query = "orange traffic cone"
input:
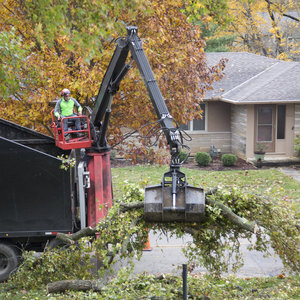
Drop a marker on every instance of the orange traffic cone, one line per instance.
(147, 245)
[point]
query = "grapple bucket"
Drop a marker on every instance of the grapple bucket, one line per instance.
(174, 201)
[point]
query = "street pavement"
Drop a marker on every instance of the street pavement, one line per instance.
(166, 257)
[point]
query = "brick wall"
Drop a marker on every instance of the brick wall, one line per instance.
(202, 141)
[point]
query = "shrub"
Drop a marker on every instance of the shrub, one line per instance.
(297, 145)
(113, 154)
(202, 158)
(229, 159)
(183, 156)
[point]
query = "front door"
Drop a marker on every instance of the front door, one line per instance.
(265, 128)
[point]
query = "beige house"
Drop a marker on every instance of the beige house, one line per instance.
(258, 99)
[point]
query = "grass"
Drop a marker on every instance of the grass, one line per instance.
(267, 182)
(199, 287)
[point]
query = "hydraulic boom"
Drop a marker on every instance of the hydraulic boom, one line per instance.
(174, 199)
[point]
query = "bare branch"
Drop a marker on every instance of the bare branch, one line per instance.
(291, 17)
(234, 218)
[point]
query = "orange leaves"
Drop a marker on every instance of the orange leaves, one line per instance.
(81, 49)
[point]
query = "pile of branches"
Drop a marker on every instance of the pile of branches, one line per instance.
(230, 215)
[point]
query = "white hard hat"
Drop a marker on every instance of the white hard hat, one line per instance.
(65, 92)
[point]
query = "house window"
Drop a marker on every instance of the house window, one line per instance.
(265, 124)
(185, 126)
(281, 121)
(196, 124)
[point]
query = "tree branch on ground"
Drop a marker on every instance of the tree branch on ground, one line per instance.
(226, 211)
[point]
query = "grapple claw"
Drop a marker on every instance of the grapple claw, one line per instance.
(174, 200)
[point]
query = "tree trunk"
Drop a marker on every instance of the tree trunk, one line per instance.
(80, 285)
(74, 285)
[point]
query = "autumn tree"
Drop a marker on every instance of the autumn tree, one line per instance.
(11, 55)
(269, 28)
(211, 16)
(70, 43)
(64, 42)
(207, 10)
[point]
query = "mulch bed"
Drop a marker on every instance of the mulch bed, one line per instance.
(215, 165)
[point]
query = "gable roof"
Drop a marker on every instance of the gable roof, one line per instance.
(255, 79)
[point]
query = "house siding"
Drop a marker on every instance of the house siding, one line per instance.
(297, 119)
(217, 131)
(239, 130)
(219, 116)
(201, 142)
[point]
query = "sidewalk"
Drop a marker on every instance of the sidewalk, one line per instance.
(291, 172)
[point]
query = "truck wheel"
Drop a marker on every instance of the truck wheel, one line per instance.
(8, 260)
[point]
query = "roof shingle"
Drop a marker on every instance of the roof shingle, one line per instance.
(251, 78)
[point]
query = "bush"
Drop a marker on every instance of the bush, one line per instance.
(113, 154)
(183, 156)
(229, 160)
(202, 158)
(297, 145)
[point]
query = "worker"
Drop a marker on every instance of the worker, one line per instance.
(65, 108)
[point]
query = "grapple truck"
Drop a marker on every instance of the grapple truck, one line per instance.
(40, 199)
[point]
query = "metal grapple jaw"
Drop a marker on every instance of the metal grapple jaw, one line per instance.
(174, 200)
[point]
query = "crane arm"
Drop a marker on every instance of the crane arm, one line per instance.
(173, 199)
(116, 71)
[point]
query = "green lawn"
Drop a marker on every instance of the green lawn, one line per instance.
(170, 287)
(267, 182)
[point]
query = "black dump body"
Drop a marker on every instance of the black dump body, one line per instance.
(35, 194)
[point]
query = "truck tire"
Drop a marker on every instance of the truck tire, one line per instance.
(9, 260)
